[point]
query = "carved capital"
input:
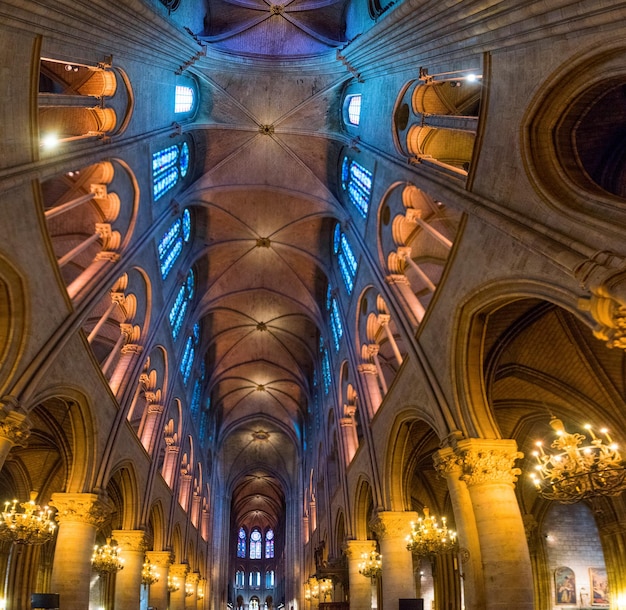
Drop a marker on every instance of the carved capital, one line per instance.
(448, 463)
(88, 508)
(367, 369)
(154, 408)
(389, 524)
(488, 461)
(179, 570)
(397, 279)
(132, 348)
(14, 424)
(192, 578)
(353, 549)
(162, 559)
(130, 540)
(610, 317)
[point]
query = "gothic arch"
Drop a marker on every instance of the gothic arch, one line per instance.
(364, 509)
(158, 526)
(123, 490)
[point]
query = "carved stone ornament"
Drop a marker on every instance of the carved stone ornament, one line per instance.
(392, 524)
(81, 508)
(130, 540)
(14, 425)
(610, 317)
(161, 559)
(447, 462)
(353, 549)
(486, 462)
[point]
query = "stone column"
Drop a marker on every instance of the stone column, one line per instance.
(191, 585)
(360, 586)
(201, 594)
(157, 597)
(392, 529)
(374, 396)
(79, 516)
(490, 476)
(132, 545)
(177, 598)
(14, 427)
(449, 466)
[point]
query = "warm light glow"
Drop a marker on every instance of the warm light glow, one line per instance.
(106, 559)
(314, 588)
(371, 564)
(30, 525)
(149, 573)
(428, 538)
(173, 584)
(49, 141)
(574, 471)
(188, 590)
(471, 78)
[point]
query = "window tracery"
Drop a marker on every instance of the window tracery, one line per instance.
(171, 244)
(345, 257)
(169, 165)
(356, 181)
(335, 319)
(181, 303)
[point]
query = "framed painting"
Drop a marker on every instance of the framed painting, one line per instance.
(565, 585)
(599, 587)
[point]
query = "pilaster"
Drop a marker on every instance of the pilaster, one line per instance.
(132, 545)
(360, 586)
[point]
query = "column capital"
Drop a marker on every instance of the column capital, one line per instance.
(367, 369)
(192, 578)
(397, 278)
(488, 461)
(14, 424)
(162, 559)
(353, 549)
(93, 509)
(130, 540)
(393, 524)
(179, 570)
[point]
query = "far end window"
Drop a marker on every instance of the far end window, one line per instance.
(354, 109)
(183, 101)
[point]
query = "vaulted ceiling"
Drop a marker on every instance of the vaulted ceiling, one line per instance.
(265, 208)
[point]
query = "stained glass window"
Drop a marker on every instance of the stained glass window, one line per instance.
(269, 579)
(197, 393)
(255, 545)
(255, 582)
(186, 362)
(357, 182)
(326, 378)
(181, 303)
(345, 258)
(335, 319)
(183, 101)
(269, 544)
(171, 244)
(168, 166)
(241, 543)
(240, 577)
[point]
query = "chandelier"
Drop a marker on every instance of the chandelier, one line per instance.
(428, 538)
(578, 468)
(106, 558)
(149, 573)
(173, 584)
(188, 590)
(30, 525)
(371, 564)
(314, 588)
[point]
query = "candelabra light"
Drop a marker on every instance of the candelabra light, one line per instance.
(149, 573)
(28, 524)
(106, 558)
(371, 564)
(578, 468)
(429, 538)
(314, 588)
(173, 584)
(188, 590)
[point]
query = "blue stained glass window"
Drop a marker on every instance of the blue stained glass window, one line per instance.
(345, 257)
(241, 543)
(326, 378)
(255, 544)
(186, 362)
(357, 182)
(197, 388)
(269, 546)
(168, 166)
(269, 579)
(354, 109)
(179, 308)
(171, 244)
(335, 319)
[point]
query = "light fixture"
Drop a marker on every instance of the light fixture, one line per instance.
(317, 588)
(173, 584)
(428, 538)
(106, 558)
(149, 573)
(30, 525)
(188, 590)
(49, 141)
(577, 468)
(371, 564)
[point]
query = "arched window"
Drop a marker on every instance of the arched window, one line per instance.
(171, 244)
(352, 109)
(240, 576)
(335, 319)
(169, 165)
(241, 547)
(255, 547)
(269, 546)
(269, 579)
(186, 362)
(181, 303)
(255, 581)
(197, 393)
(183, 101)
(345, 257)
(326, 378)
(356, 181)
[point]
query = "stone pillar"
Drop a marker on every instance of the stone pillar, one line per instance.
(14, 427)
(158, 594)
(489, 473)
(414, 308)
(191, 586)
(449, 466)
(177, 598)
(370, 377)
(132, 545)
(392, 529)
(360, 586)
(201, 594)
(79, 516)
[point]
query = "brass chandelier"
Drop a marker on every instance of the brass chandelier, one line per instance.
(428, 538)
(371, 564)
(106, 558)
(173, 584)
(149, 573)
(30, 525)
(314, 588)
(577, 468)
